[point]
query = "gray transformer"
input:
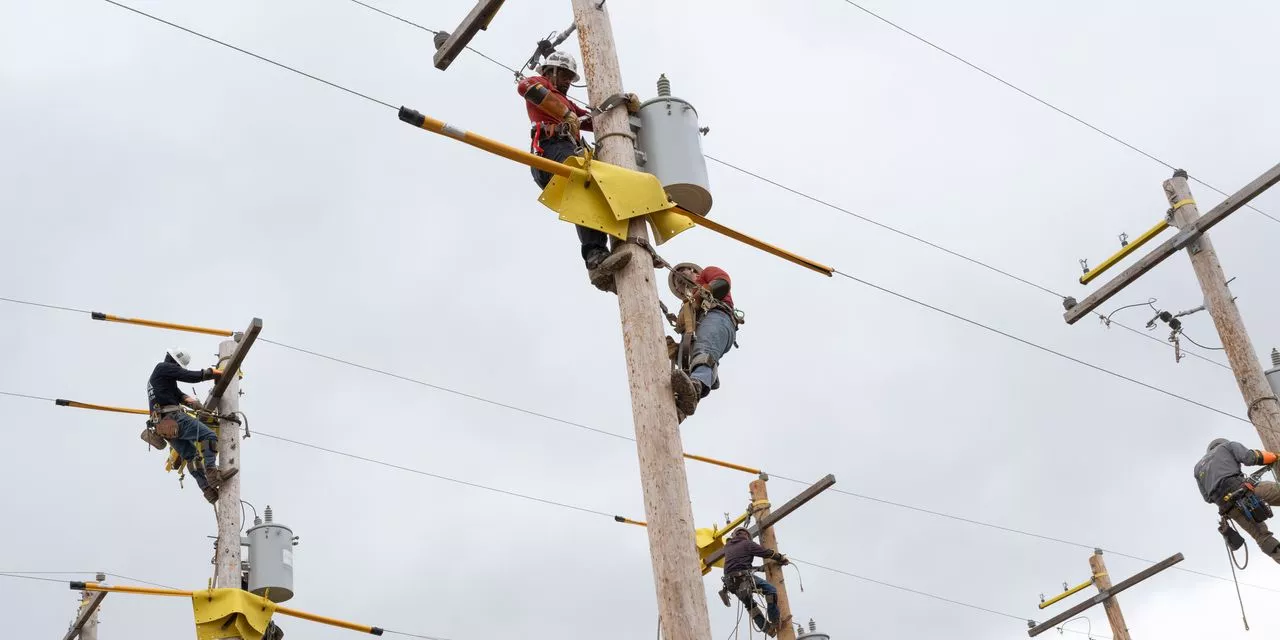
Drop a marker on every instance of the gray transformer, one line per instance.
(271, 560)
(669, 143)
(813, 633)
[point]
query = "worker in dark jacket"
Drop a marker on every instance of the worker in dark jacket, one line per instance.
(739, 579)
(556, 123)
(195, 443)
(1218, 474)
(708, 302)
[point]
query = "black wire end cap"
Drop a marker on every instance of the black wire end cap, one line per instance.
(412, 117)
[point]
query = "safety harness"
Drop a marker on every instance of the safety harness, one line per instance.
(1243, 498)
(692, 310)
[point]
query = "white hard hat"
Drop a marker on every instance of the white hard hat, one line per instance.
(560, 60)
(181, 356)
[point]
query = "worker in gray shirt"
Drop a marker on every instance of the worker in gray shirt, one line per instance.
(1224, 484)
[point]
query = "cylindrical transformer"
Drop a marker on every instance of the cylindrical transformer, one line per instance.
(671, 144)
(271, 560)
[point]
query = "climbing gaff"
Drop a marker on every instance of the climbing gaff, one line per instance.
(98, 315)
(616, 194)
(99, 407)
(1124, 252)
(178, 593)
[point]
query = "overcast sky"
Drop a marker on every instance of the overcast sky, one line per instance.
(148, 173)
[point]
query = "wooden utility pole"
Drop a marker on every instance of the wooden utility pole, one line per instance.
(1262, 405)
(1106, 596)
(1119, 630)
(85, 625)
(227, 557)
(772, 570)
(682, 600)
(1264, 409)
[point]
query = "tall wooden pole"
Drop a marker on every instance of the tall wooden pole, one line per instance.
(1102, 581)
(682, 600)
(772, 570)
(1264, 409)
(227, 556)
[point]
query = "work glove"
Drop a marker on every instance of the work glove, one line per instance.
(195, 403)
(575, 126)
(781, 559)
(633, 102)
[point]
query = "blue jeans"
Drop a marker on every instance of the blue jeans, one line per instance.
(192, 434)
(770, 596)
(560, 149)
(714, 337)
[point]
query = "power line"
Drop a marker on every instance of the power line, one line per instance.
(1038, 346)
(618, 436)
(1039, 99)
(922, 593)
(431, 475)
(252, 54)
(77, 573)
(941, 248)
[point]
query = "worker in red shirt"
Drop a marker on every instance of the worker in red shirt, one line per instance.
(708, 303)
(556, 123)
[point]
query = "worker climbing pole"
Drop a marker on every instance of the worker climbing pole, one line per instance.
(195, 443)
(555, 133)
(708, 326)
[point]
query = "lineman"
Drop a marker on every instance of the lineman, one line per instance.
(1222, 483)
(740, 580)
(195, 443)
(708, 307)
(556, 123)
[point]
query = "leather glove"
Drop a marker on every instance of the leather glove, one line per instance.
(633, 102)
(781, 559)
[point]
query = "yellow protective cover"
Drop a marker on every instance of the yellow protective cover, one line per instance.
(222, 613)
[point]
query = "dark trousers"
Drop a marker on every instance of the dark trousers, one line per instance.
(559, 149)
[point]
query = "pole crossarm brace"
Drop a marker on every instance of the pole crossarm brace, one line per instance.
(178, 593)
(1066, 594)
(781, 512)
(565, 171)
(232, 366)
(1124, 252)
(107, 317)
(1171, 246)
(85, 614)
(1099, 598)
(478, 19)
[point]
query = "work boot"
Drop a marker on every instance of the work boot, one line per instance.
(686, 390)
(606, 265)
(215, 476)
(724, 597)
(761, 623)
(771, 629)
(211, 495)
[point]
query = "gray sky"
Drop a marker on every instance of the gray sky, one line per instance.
(150, 173)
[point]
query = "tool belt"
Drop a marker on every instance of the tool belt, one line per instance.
(1247, 502)
(735, 581)
(542, 132)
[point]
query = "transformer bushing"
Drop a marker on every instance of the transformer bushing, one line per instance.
(813, 633)
(1273, 374)
(271, 559)
(670, 145)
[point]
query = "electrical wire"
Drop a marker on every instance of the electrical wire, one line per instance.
(445, 389)
(918, 592)
(1183, 333)
(14, 575)
(434, 32)
(1038, 346)
(252, 54)
(434, 475)
(1039, 99)
(23, 395)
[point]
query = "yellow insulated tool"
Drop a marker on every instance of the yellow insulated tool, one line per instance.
(603, 196)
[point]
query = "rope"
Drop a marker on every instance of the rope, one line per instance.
(1231, 554)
